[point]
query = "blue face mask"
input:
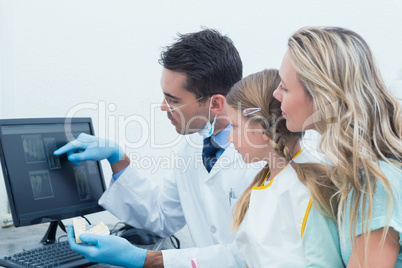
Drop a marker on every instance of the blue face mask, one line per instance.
(208, 130)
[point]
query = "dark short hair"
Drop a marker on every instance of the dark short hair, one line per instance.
(209, 59)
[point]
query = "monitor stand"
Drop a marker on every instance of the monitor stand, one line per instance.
(49, 237)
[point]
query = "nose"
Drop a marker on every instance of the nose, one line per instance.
(164, 106)
(230, 137)
(277, 94)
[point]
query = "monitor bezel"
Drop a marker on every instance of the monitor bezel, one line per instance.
(17, 221)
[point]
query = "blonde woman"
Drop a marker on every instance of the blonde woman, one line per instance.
(332, 73)
(276, 224)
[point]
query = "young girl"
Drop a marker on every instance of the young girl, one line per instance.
(276, 224)
(333, 71)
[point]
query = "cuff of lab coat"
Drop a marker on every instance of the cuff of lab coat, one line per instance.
(118, 174)
(175, 258)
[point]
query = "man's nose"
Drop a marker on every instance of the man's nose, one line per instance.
(164, 106)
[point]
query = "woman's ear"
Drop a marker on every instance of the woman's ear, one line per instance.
(218, 104)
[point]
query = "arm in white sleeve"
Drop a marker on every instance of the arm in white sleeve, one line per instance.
(222, 256)
(141, 203)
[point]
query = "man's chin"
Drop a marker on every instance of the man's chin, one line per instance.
(180, 130)
(183, 131)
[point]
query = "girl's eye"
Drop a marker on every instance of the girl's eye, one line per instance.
(282, 88)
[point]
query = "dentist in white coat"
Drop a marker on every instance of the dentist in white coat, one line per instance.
(199, 70)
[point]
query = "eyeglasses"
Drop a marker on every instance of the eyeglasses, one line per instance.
(172, 108)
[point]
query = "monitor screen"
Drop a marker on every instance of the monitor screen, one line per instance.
(42, 187)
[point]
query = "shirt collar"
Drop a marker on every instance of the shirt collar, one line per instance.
(222, 137)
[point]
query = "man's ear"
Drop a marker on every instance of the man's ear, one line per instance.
(218, 104)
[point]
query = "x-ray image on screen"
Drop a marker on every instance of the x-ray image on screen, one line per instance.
(92, 167)
(50, 147)
(41, 184)
(33, 148)
(82, 183)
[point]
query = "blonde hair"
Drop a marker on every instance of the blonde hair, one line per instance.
(254, 91)
(359, 120)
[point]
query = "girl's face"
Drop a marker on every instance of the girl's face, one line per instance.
(248, 138)
(297, 106)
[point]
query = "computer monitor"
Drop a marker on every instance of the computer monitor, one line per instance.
(42, 187)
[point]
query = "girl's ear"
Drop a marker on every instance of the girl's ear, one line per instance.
(265, 137)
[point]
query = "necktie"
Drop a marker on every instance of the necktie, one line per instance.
(209, 153)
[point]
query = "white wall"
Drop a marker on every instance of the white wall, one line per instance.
(60, 57)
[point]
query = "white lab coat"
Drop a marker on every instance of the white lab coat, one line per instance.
(193, 197)
(270, 234)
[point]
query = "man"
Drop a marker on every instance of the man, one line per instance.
(199, 70)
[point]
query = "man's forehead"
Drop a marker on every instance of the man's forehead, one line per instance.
(173, 84)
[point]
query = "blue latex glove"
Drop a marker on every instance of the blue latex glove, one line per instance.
(108, 249)
(95, 149)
